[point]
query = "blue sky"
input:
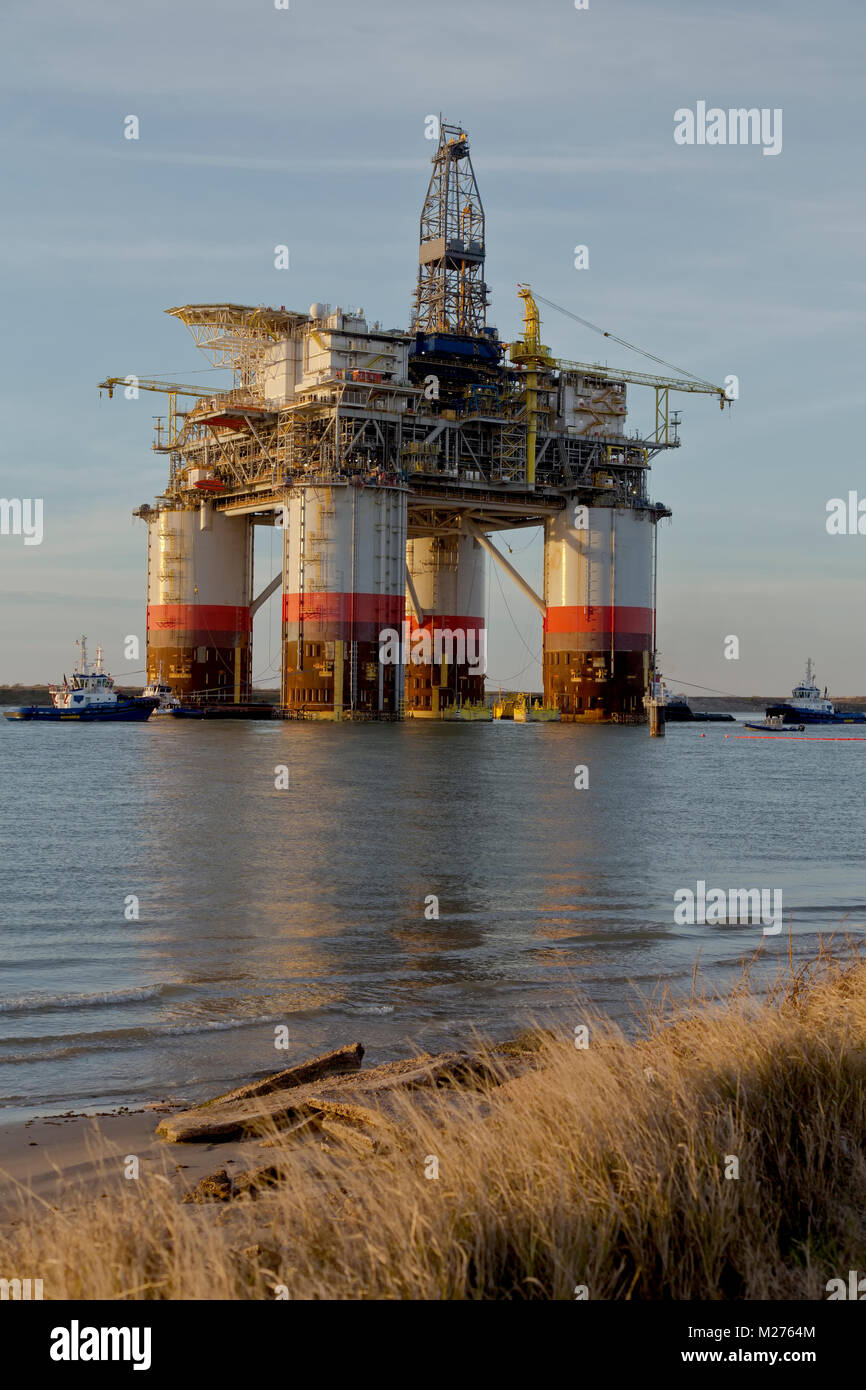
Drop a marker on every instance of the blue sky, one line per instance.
(306, 127)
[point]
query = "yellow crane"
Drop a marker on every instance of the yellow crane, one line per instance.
(534, 355)
(173, 389)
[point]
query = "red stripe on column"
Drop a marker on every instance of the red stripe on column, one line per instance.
(214, 617)
(438, 623)
(383, 610)
(599, 619)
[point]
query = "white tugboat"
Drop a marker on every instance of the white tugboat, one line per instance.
(89, 696)
(163, 694)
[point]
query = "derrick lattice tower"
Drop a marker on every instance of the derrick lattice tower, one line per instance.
(451, 296)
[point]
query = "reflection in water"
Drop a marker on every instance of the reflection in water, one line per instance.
(307, 906)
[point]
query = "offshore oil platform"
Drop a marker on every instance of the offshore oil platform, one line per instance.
(387, 458)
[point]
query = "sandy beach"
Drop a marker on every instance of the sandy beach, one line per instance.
(71, 1159)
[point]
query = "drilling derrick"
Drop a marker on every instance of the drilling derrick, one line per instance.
(449, 317)
(456, 351)
(451, 295)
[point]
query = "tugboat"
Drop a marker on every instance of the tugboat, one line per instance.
(167, 701)
(89, 697)
(677, 708)
(808, 706)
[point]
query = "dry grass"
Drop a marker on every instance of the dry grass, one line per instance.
(603, 1168)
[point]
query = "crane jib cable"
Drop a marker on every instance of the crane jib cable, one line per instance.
(503, 680)
(622, 342)
(536, 656)
(711, 689)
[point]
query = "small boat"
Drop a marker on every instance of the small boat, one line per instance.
(503, 708)
(168, 703)
(808, 706)
(469, 712)
(774, 724)
(88, 697)
(528, 711)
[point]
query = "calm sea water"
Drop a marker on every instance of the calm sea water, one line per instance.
(306, 906)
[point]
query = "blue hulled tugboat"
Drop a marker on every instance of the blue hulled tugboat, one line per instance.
(88, 697)
(808, 706)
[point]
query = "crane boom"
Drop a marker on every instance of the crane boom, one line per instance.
(146, 383)
(531, 353)
(173, 389)
(670, 383)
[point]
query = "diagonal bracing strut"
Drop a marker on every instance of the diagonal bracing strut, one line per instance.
(501, 560)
